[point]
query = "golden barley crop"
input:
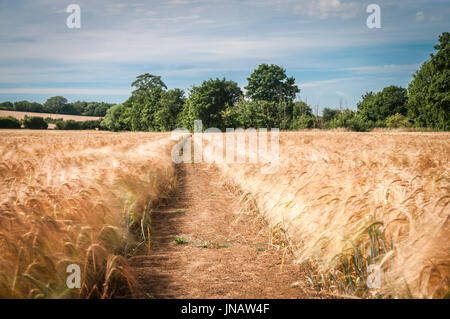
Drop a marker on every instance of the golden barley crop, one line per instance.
(340, 202)
(345, 201)
(77, 198)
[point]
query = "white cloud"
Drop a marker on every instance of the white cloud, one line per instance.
(324, 82)
(436, 18)
(420, 16)
(324, 9)
(321, 9)
(155, 46)
(391, 68)
(187, 41)
(62, 91)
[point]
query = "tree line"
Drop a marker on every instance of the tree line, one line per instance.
(270, 101)
(41, 123)
(59, 105)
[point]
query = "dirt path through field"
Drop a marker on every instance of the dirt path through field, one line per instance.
(226, 252)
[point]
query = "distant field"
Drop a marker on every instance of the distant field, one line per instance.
(21, 115)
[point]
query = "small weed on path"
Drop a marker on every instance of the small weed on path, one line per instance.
(180, 241)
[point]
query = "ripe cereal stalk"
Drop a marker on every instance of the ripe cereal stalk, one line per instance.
(349, 200)
(77, 198)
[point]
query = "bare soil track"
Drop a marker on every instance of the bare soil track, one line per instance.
(226, 253)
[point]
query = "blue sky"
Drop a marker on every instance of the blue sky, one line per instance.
(324, 44)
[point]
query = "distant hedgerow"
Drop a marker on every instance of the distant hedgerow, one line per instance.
(9, 122)
(35, 123)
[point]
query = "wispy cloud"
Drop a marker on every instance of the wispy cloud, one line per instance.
(324, 83)
(324, 9)
(392, 68)
(324, 44)
(61, 91)
(321, 9)
(420, 16)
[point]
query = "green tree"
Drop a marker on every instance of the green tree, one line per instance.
(6, 105)
(170, 105)
(55, 104)
(145, 101)
(397, 121)
(301, 108)
(429, 91)
(26, 106)
(351, 120)
(36, 107)
(9, 122)
(90, 125)
(68, 108)
(79, 107)
(270, 83)
(77, 125)
(303, 122)
(96, 109)
(68, 125)
(302, 116)
(208, 101)
(117, 118)
(329, 114)
(22, 106)
(35, 123)
(255, 114)
(376, 107)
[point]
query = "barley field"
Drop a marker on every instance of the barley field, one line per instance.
(77, 198)
(342, 201)
(338, 203)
